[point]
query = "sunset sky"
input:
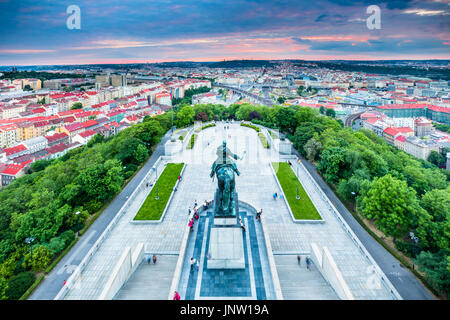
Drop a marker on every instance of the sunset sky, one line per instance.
(121, 31)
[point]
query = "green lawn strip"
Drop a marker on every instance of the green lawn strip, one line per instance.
(243, 124)
(191, 143)
(152, 209)
(204, 127)
(263, 139)
(302, 208)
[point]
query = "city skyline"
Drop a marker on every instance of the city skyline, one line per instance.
(157, 31)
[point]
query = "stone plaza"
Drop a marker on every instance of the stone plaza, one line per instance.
(275, 248)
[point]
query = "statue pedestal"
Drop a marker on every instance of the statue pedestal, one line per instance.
(226, 248)
(225, 221)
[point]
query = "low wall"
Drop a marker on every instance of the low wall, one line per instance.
(124, 268)
(324, 261)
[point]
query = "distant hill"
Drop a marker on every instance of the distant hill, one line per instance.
(242, 64)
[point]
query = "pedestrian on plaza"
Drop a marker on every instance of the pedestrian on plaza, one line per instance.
(192, 261)
(195, 204)
(191, 224)
(308, 262)
(154, 259)
(64, 283)
(281, 197)
(258, 214)
(289, 162)
(148, 260)
(147, 184)
(196, 216)
(176, 296)
(241, 223)
(299, 259)
(197, 264)
(189, 211)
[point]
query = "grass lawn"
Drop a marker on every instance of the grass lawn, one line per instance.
(152, 209)
(263, 139)
(190, 144)
(302, 208)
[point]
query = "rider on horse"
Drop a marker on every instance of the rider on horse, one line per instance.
(224, 159)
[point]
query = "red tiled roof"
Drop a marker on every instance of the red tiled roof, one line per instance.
(56, 136)
(14, 150)
(404, 129)
(13, 169)
(87, 133)
(74, 127)
(89, 123)
(56, 148)
(401, 138)
(38, 110)
(391, 131)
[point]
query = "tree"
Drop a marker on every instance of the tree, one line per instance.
(436, 158)
(300, 90)
(76, 105)
(312, 149)
(391, 204)
(435, 266)
(185, 116)
(254, 115)
(332, 163)
(285, 119)
(330, 113)
(322, 109)
(305, 114)
(41, 258)
(281, 100)
(18, 284)
(201, 116)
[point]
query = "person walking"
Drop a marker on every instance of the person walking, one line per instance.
(308, 262)
(197, 264)
(191, 224)
(189, 211)
(154, 259)
(299, 259)
(241, 223)
(195, 204)
(148, 260)
(176, 296)
(258, 214)
(192, 261)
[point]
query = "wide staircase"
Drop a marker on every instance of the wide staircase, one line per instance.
(150, 281)
(299, 283)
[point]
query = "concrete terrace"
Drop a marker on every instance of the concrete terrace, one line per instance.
(255, 186)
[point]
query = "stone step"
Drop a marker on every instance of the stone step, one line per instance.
(150, 281)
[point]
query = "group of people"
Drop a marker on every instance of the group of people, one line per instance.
(275, 196)
(307, 260)
(195, 263)
(153, 258)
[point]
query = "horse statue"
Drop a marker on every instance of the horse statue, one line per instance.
(224, 168)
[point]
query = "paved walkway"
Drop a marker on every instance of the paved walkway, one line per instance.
(299, 283)
(255, 186)
(150, 280)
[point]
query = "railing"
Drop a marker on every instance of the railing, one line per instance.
(124, 209)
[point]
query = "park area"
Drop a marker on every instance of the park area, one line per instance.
(302, 208)
(152, 209)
